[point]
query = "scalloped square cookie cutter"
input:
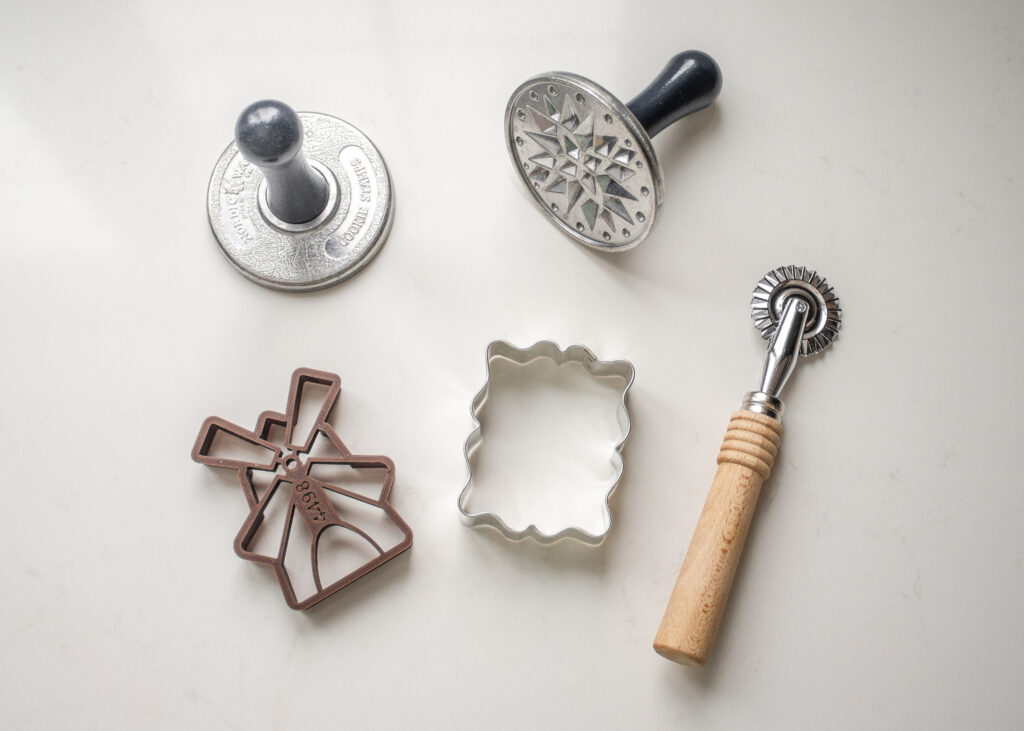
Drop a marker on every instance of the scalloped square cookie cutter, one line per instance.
(594, 367)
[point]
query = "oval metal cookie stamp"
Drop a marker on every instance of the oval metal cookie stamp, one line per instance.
(587, 158)
(311, 205)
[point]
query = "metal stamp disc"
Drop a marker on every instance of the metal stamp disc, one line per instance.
(586, 159)
(330, 248)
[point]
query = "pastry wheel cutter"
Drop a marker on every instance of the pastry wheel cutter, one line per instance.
(622, 369)
(797, 311)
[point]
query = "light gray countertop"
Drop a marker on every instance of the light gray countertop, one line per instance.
(879, 143)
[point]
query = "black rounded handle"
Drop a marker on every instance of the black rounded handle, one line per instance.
(269, 135)
(690, 82)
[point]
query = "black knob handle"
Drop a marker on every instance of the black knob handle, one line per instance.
(269, 135)
(690, 82)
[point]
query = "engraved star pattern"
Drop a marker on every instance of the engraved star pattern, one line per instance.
(577, 168)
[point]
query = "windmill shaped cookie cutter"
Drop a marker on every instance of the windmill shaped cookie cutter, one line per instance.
(301, 498)
(594, 367)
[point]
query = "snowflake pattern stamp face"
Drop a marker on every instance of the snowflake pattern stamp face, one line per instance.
(319, 515)
(586, 160)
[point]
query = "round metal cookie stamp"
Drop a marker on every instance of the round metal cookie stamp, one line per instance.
(264, 212)
(587, 158)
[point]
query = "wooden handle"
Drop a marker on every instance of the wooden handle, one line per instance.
(695, 608)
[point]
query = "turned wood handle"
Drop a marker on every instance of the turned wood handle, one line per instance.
(695, 608)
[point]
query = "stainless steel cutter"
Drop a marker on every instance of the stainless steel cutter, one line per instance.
(621, 369)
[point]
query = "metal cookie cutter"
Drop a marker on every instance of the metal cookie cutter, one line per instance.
(299, 201)
(797, 311)
(307, 505)
(598, 368)
(587, 158)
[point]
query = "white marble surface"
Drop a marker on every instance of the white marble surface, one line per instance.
(878, 142)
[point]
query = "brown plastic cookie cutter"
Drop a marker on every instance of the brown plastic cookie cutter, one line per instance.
(284, 471)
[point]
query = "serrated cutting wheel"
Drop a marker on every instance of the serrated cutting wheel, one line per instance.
(797, 312)
(774, 289)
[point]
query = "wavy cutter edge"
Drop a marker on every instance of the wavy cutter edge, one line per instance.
(522, 356)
